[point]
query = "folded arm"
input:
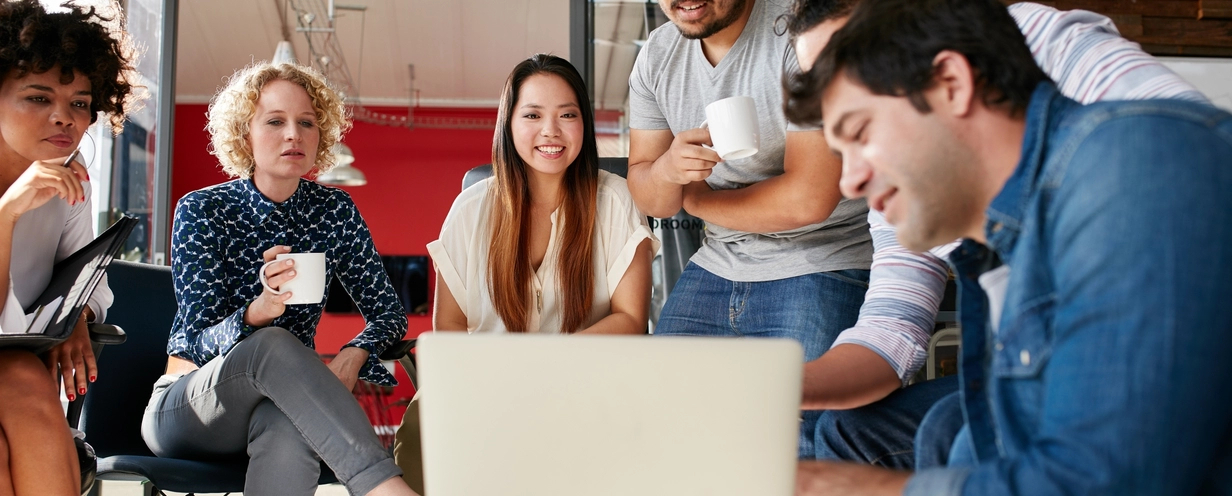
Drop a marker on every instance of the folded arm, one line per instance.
(661, 164)
(805, 193)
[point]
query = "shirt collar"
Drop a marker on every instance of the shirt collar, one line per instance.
(1005, 213)
(263, 206)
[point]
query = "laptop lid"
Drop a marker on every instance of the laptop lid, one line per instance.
(608, 415)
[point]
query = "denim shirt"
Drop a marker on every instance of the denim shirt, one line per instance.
(218, 239)
(1107, 372)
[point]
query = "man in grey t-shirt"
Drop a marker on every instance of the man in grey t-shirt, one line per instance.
(784, 255)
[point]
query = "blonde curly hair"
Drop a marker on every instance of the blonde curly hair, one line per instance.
(232, 109)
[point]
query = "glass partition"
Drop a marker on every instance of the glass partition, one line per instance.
(618, 29)
(140, 171)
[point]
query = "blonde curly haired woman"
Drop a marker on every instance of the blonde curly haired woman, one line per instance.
(243, 379)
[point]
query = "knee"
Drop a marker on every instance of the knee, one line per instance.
(270, 337)
(937, 432)
(833, 434)
(23, 375)
(273, 342)
(942, 421)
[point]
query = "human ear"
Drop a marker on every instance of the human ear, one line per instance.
(953, 88)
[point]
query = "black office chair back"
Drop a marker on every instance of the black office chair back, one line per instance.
(144, 307)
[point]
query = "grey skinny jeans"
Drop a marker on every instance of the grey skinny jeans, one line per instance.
(272, 399)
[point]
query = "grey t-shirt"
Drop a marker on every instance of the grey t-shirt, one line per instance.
(671, 84)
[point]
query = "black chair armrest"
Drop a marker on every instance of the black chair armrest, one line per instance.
(398, 350)
(107, 334)
(401, 352)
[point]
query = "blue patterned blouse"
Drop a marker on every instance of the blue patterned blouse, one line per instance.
(219, 236)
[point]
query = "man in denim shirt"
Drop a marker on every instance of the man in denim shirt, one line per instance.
(1096, 266)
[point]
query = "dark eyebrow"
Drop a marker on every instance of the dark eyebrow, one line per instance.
(563, 105)
(48, 89)
(842, 119)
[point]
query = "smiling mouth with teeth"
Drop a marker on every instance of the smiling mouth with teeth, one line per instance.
(550, 149)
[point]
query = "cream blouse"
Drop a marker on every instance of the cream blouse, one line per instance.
(461, 257)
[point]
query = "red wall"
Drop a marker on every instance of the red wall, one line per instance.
(413, 177)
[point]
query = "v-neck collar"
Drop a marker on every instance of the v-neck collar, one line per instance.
(742, 41)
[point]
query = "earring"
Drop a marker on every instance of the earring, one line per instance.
(92, 150)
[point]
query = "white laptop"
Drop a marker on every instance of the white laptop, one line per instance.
(515, 415)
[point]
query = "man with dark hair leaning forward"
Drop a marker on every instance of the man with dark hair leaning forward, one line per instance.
(872, 415)
(1096, 260)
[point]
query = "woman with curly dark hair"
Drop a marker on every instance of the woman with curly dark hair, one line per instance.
(58, 72)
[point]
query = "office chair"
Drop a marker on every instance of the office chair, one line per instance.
(111, 414)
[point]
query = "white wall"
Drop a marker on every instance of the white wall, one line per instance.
(1213, 76)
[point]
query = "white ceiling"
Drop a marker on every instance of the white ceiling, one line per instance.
(462, 49)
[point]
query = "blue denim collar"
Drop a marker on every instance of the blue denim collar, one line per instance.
(262, 206)
(1005, 213)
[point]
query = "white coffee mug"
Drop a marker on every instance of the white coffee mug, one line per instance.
(308, 285)
(733, 127)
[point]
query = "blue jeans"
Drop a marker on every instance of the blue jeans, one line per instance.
(938, 443)
(811, 309)
(884, 432)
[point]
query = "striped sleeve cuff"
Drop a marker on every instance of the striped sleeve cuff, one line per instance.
(903, 345)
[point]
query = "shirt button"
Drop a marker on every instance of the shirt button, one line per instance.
(1025, 357)
(996, 227)
(999, 346)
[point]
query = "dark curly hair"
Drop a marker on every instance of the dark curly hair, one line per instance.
(888, 46)
(33, 40)
(807, 14)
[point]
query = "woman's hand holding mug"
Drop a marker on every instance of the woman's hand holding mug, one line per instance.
(271, 305)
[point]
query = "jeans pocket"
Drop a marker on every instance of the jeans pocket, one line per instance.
(855, 277)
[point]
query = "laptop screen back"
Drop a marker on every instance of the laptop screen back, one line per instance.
(605, 415)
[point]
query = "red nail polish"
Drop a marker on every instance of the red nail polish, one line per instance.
(81, 391)
(93, 378)
(70, 397)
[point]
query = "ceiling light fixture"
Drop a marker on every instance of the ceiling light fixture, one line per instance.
(343, 174)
